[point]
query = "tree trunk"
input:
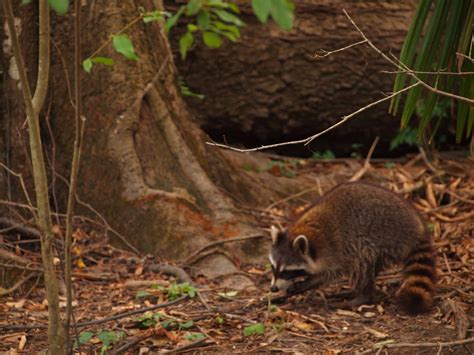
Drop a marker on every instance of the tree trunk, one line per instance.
(269, 88)
(144, 166)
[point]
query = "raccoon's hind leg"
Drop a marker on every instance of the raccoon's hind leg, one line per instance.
(364, 289)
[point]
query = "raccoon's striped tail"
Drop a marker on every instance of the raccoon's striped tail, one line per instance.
(419, 278)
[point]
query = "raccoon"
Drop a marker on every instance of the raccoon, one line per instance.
(356, 230)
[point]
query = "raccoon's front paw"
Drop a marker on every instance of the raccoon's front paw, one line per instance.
(279, 297)
(298, 287)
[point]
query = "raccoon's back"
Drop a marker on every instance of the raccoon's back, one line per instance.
(361, 213)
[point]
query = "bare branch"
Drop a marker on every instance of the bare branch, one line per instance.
(308, 140)
(324, 53)
(23, 186)
(43, 57)
(465, 57)
(18, 284)
(425, 345)
(367, 164)
(428, 72)
(403, 67)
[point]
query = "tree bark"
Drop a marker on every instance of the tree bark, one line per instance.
(145, 166)
(269, 88)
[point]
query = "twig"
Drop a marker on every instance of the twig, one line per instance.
(427, 72)
(5, 254)
(367, 164)
(407, 70)
(18, 284)
(427, 161)
(425, 345)
(186, 346)
(98, 321)
(15, 227)
(455, 195)
(460, 318)
(308, 140)
(455, 219)
(465, 56)
(291, 197)
(132, 342)
(220, 242)
(25, 191)
(323, 53)
(76, 158)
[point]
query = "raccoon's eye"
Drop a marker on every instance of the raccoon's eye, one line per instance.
(292, 274)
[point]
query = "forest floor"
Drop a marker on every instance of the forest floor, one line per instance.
(122, 306)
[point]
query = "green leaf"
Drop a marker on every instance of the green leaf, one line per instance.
(25, 2)
(166, 323)
(109, 337)
(193, 7)
(186, 325)
(234, 7)
(228, 17)
(173, 19)
(142, 293)
(203, 19)
(103, 60)
(84, 337)
(185, 42)
(326, 155)
(261, 8)
(230, 28)
(60, 6)
(123, 45)
(426, 56)
(186, 91)
(257, 328)
(405, 136)
(212, 39)
(192, 27)
(409, 49)
(282, 13)
(87, 65)
(195, 336)
(153, 16)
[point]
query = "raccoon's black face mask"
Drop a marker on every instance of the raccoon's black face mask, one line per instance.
(288, 260)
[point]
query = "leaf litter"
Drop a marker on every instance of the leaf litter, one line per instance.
(109, 282)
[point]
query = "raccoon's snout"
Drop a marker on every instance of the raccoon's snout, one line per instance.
(274, 288)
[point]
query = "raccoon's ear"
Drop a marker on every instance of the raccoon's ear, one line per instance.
(300, 244)
(274, 233)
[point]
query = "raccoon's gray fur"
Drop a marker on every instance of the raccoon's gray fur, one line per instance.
(357, 229)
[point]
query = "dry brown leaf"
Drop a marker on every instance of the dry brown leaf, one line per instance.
(17, 305)
(430, 196)
(376, 333)
(139, 270)
(56, 229)
(343, 312)
(306, 327)
(255, 271)
(22, 343)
